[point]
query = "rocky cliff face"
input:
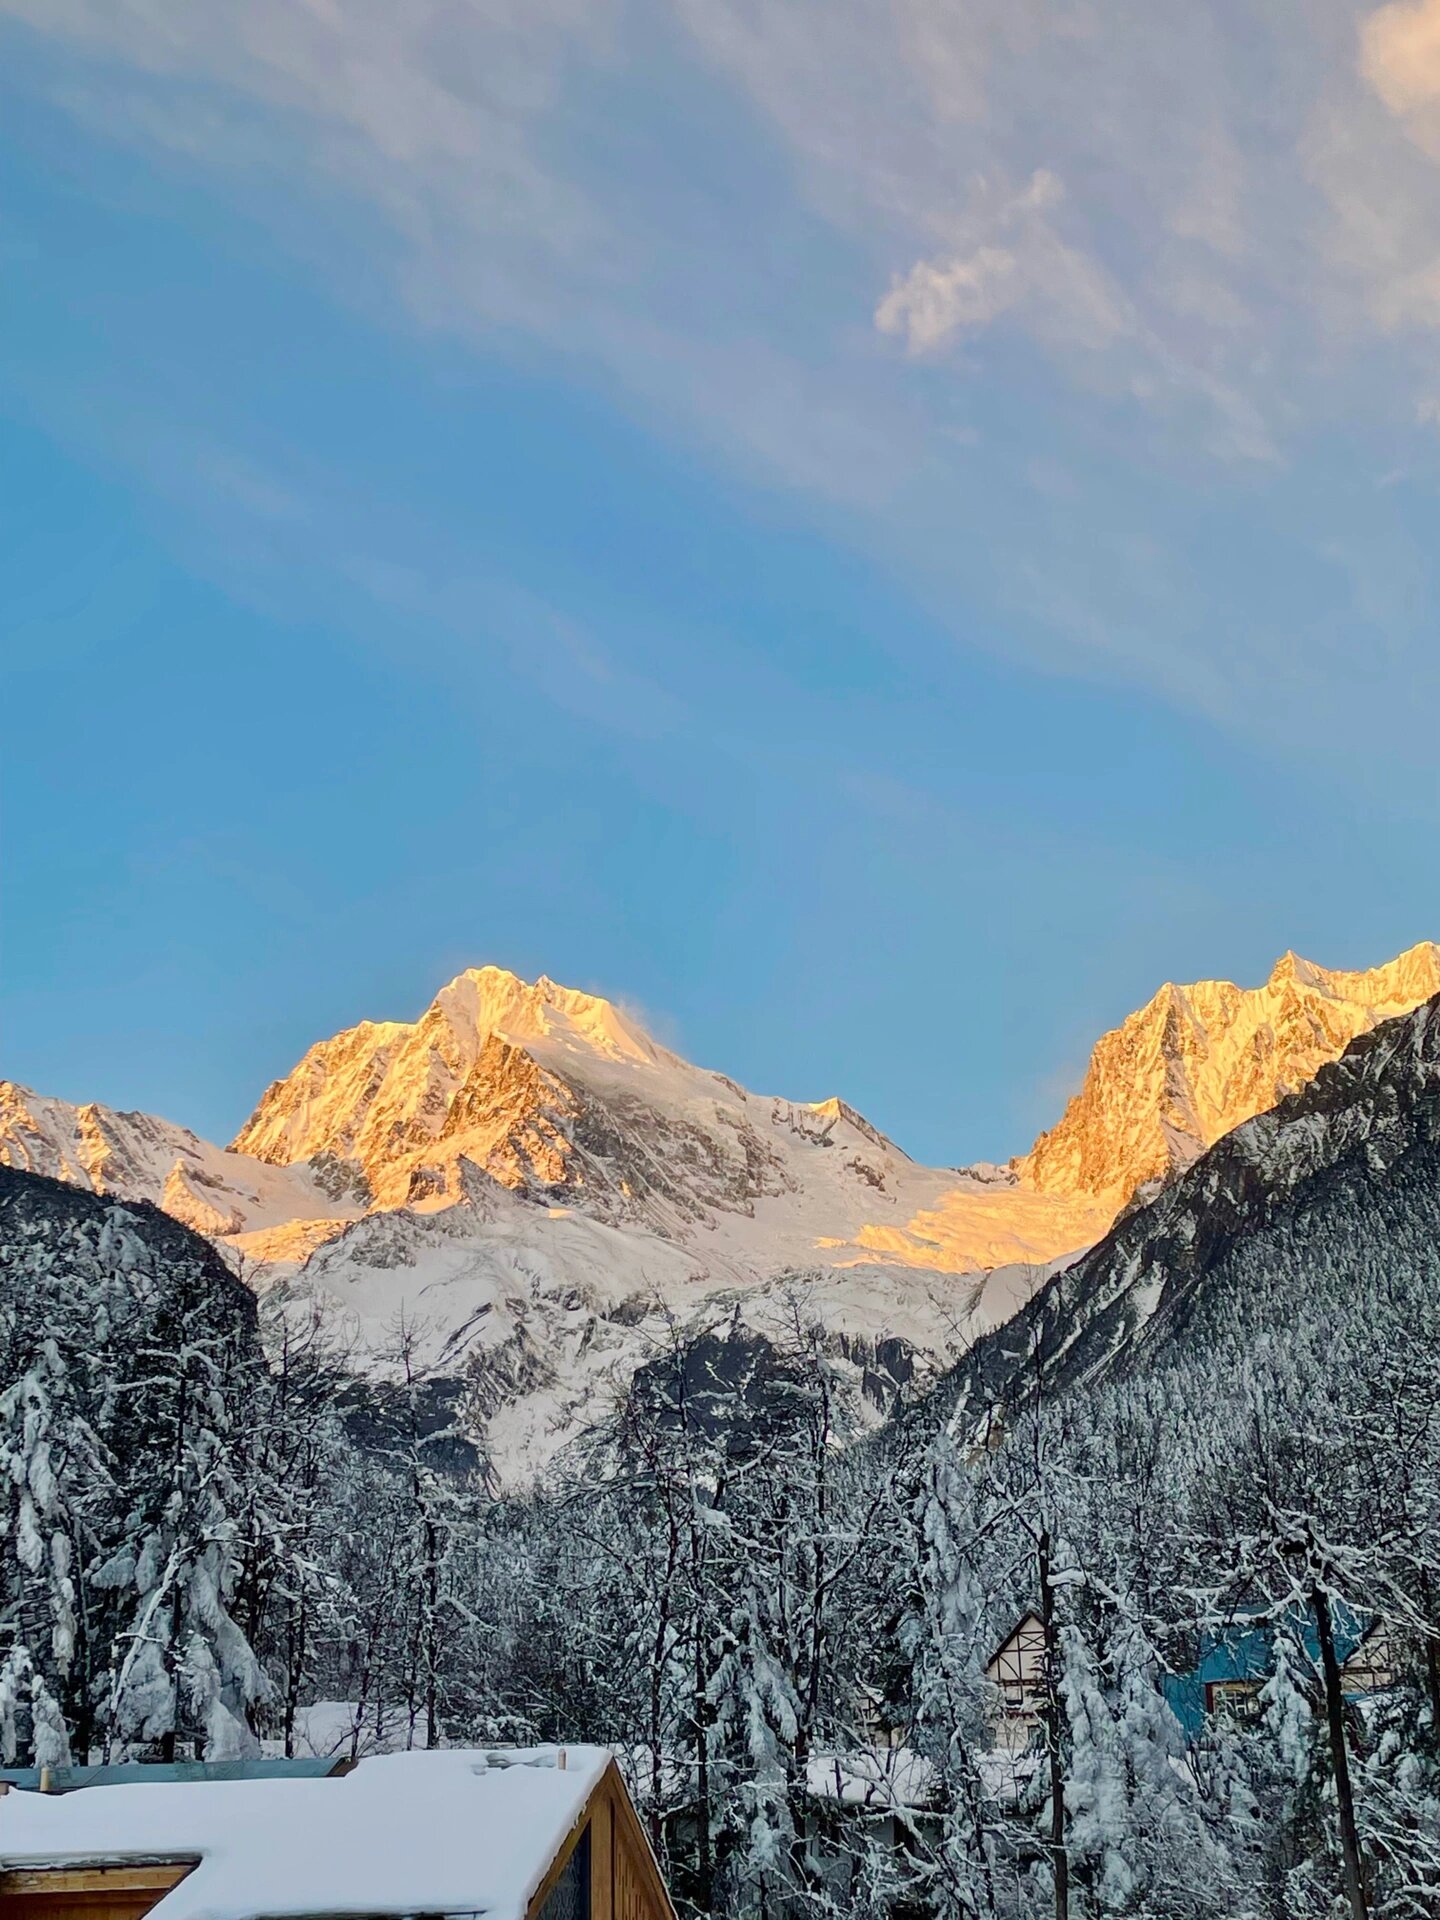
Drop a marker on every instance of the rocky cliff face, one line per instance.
(553, 1093)
(564, 1099)
(1340, 1178)
(1196, 1061)
(561, 1096)
(386, 1095)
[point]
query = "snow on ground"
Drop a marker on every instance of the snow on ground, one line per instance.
(342, 1729)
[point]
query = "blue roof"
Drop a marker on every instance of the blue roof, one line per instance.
(160, 1772)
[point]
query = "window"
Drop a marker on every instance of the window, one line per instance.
(569, 1898)
(1236, 1699)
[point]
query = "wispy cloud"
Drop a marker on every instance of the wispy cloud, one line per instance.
(1023, 266)
(1133, 224)
(1216, 228)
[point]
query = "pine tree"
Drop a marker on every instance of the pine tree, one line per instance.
(946, 1635)
(753, 1735)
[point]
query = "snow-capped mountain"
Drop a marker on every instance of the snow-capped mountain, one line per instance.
(134, 1156)
(562, 1098)
(1319, 1197)
(530, 1177)
(1196, 1061)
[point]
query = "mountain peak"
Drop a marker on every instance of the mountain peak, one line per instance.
(1290, 967)
(523, 1163)
(838, 1111)
(1197, 1060)
(1294, 1213)
(1412, 976)
(382, 1095)
(486, 1000)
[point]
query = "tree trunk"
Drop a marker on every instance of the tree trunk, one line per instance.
(432, 1633)
(1340, 1758)
(167, 1740)
(294, 1669)
(1432, 1650)
(657, 1674)
(1059, 1858)
(704, 1856)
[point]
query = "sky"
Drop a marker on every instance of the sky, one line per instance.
(873, 534)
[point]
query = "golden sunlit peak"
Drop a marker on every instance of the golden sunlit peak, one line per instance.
(1290, 966)
(493, 1000)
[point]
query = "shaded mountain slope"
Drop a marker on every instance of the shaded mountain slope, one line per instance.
(51, 1228)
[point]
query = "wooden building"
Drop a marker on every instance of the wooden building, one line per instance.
(1371, 1666)
(515, 1834)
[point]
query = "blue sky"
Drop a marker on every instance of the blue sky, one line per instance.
(874, 535)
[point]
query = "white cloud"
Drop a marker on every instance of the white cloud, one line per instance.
(1056, 290)
(515, 196)
(935, 300)
(1400, 54)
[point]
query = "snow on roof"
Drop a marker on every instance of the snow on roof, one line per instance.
(450, 1832)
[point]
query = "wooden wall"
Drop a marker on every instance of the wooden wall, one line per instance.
(625, 1882)
(87, 1893)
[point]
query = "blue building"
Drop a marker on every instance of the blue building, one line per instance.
(1234, 1662)
(123, 1773)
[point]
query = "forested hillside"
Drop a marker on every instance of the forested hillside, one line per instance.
(194, 1539)
(1290, 1207)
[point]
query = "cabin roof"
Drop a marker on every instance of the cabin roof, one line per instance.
(449, 1832)
(1245, 1649)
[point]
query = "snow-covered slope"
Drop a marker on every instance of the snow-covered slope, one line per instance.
(540, 1315)
(561, 1097)
(544, 1191)
(137, 1157)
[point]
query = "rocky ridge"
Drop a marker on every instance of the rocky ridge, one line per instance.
(1196, 1061)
